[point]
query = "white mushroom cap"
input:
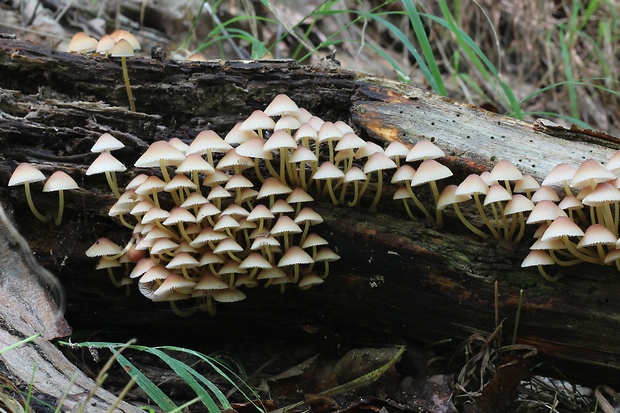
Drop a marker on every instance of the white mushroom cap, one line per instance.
(504, 170)
(195, 162)
(82, 43)
(258, 120)
(518, 203)
(208, 281)
(272, 186)
(105, 162)
(497, 193)
(102, 247)
(295, 256)
(122, 48)
(208, 141)
(473, 184)
(545, 211)
(105, 44)
(121, 34)
(448, 197)
(430, 170)
(560, 227)
(537, 257)
(560, 173)
(309, 280)
(287, 123)
(106, 142)
(424, 149)
(160, 151)
(545, 193)
(597, 234)
(59, 181)
(378, 162)
(327, 170)
(282, 105)
(590, 171)
(25, 172)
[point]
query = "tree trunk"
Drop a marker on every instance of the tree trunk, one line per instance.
(398, 276)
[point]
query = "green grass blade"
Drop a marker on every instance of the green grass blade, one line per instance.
(222, 370)
(569, 119)
(187, 374)
(427, 51)
(568, 72)
(151, 389)
(486, 68)
(19, 343)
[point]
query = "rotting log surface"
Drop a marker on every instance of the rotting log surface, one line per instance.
(396, 276)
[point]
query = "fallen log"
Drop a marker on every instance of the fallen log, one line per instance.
(402, 277)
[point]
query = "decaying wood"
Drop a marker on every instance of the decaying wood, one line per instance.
(404, 278)
(28, 309)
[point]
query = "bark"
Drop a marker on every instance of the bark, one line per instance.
(405, 278)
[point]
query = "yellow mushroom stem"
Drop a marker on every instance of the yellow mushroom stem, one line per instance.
(326, 272)
(435, 191)
(183, 313)
(513, 227)
(562, 262)
(132, 103)
(61, 207)
(417, 202)
(111, 178)
(34, 210)
(328, 187)
(183, 233)
(234, 257)
(468, 224)
(295, 273)
(373, 206)
(484, 217)
(116, 283)
(548, 277)
(208, 306)
(578, 254)
(124, 222)
(173, 235)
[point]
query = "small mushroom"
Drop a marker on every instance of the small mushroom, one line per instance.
(24, 174)
(59, 182)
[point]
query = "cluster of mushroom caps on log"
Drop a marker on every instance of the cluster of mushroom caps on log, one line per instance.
(411, 262)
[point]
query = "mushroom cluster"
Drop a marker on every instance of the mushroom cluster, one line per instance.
(206, 224)
(577, 223)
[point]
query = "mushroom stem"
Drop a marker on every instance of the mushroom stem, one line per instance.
(182, 313)
(132, 103)
(111, 177)
(548, 277)
(578, 254)
(124, 222)
(331, 192)
(418, 203)
(31, 204)
(468, 224)
(113, 278)
(561, 262)
(373, 206)
(61, 207)
(484, 217)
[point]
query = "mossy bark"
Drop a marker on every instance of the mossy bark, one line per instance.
(402, 277)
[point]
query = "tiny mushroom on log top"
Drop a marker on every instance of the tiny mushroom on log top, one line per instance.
(124, 49)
